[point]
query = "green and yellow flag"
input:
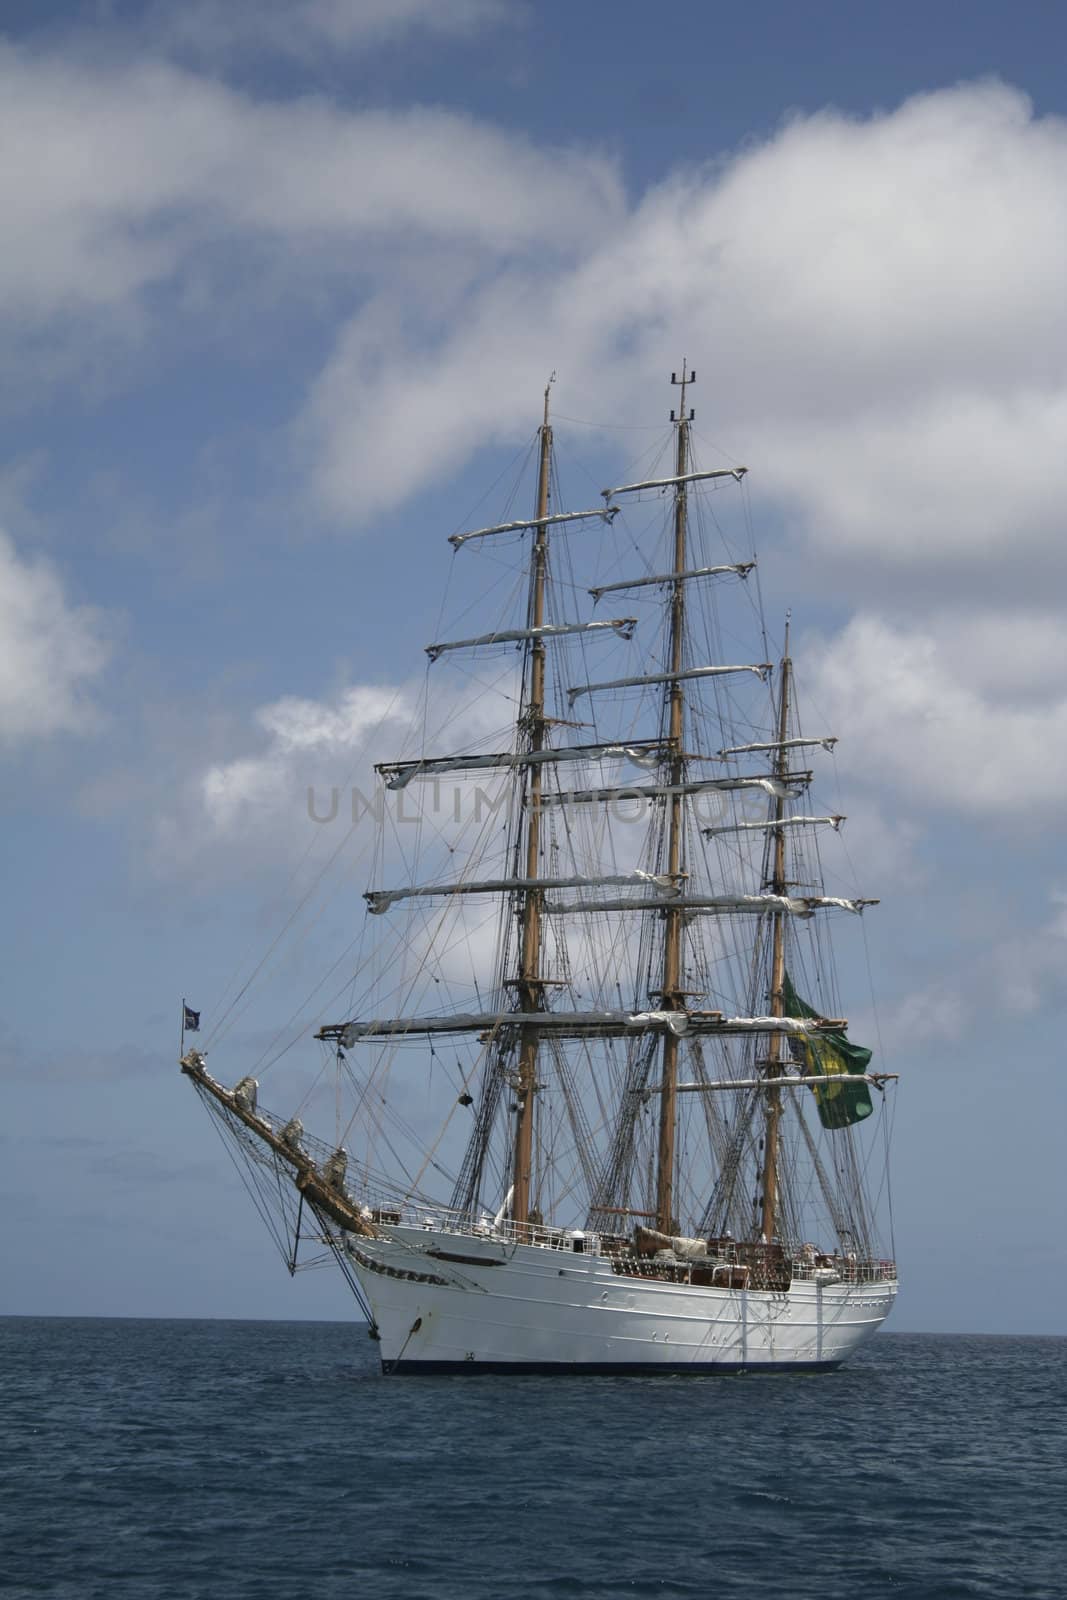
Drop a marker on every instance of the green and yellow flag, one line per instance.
(831, 1056)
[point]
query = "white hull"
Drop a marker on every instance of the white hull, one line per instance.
(538, 1308)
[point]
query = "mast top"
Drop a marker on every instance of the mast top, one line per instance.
(548, 387)
(683, 382)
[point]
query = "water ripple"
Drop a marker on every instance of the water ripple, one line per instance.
(173, 1461)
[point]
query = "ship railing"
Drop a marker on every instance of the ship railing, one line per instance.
(806, 1265)
(438, 1219)
(846, 1268)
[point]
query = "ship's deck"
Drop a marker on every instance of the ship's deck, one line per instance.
(734, 1264)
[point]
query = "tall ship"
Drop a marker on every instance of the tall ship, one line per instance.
(595, 1103)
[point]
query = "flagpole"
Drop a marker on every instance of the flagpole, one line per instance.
(181, 1047)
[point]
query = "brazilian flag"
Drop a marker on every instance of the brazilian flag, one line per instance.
(834, 1057)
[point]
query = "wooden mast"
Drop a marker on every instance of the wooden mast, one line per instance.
(769, 1210)
(671, 997)
(529, 986)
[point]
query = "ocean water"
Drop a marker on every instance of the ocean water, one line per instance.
(231, 1460)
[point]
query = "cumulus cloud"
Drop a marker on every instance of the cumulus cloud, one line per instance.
(879, 299)
(298, 733)
(967, 713)
(876, 302)
(879, 305)
(292, 762)
(115, 178)
(300, 795)
(305, 778)
(50, 651)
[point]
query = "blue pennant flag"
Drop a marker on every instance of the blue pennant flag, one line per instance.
(192, 1020)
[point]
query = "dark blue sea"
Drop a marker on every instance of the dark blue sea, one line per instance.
(231, 1460)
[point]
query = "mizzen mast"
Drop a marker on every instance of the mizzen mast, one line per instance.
(671, 997)
(769, 1209)
(530, 986)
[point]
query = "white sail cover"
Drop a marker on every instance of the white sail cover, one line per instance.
(780, 789)
(787, 1025)
(380, 900)
(795, 1080)
(736, 473)
(741, 569)
(577, 1022)
(398, 774)
(761, 670)
(548, 1021)
(766, 827)
(603, 514)
(826, 742)
(622, 626)
(793, 905)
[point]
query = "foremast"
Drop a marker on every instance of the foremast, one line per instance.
(530, 985)
(671, 996)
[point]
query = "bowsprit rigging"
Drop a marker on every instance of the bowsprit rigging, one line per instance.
(597, 1105)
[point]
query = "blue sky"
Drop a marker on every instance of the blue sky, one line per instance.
(280, 286)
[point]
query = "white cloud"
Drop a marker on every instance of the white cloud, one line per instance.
(876, 305)
(114, 180)
(879, 299)
(966, 713)
(305, 777)
(951, 477)
(304, 740)
(50, 651)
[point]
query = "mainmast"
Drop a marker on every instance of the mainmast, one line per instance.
(671, 996)
(531, 989)
(769, 1213)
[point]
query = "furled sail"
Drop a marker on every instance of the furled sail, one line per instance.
(598, 1024)
(675, 482)
(603, 514)
(827, 743)
(696, 905)
(761, 670)
(780, 787)
(794, 1080)
(740, 568)
(398, 774)
(380, 900)
(783, 822)
(622, 626)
